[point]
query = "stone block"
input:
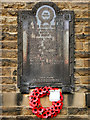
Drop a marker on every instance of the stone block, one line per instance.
(9, 62)
(13, 5)
(9, 12)
(76, 100)
(82, 79)
(86, 46)
(82, 88)
(79, 6)
(9, 36)
(87, 63)
(82, 36)
(63, 5)
(9, 45)
(9, 80)
(82, 54)
(9, 20)
(6, 71)
(79, 29)
(30, 5)
(79, 63)
(87, 29)
(82, 71)
(9, 28)
(9, 54)
(16, 99)
(8, 88)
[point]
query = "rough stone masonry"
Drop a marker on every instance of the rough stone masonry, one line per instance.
(15, 106)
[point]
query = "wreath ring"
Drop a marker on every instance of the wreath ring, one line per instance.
(38, 109)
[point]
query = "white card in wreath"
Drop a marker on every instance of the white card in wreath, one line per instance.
(54, 95)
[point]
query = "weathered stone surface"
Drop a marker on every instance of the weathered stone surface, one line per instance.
(82, 88)
(8, 88)
(9, 28)
(82, 54)
(87, 63)
(10, 111)
(35, 118)
(79, 6)
(79, 46)
(30, 5)
(6, 71)
(82, 71)
(9, 36)
(87, 29)
(86, 46)
(9, 45)
(9, 62)
(14, 72)
(77, 111)
(79, 29)
(82, 36)
(11, 20)
(81, 14)
(9, 54)
(79, 62)
(82, 79)
(13, 5)
(9, 80)
(82, 21)
(76, 100)
(16, 99)
(9, 118)
(9, 12)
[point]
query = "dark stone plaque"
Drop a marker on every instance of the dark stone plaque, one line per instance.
(45, 34)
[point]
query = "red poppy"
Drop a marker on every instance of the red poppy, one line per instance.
(38, 115)
(34, 110)
(36, 90)
(49, 113)
(45, 89)
(31, 97)
(52, 108)
(34, 104)
(55, 114)
(36, 94)
(35, 99)
(58, 104)
(41, 109)
(52, 112)
(32, 93)
(48, 90)
(41, 92)
(57, 109)
(44, 115)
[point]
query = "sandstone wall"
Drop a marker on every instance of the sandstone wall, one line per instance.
(14, 105)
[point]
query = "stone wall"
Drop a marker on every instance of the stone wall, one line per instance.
(15, 106)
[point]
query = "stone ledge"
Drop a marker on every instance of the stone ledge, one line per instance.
(36, 118)
(77, 111)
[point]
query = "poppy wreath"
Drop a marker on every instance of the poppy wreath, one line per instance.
(38, 109)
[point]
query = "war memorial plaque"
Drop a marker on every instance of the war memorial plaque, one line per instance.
(45, 42)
